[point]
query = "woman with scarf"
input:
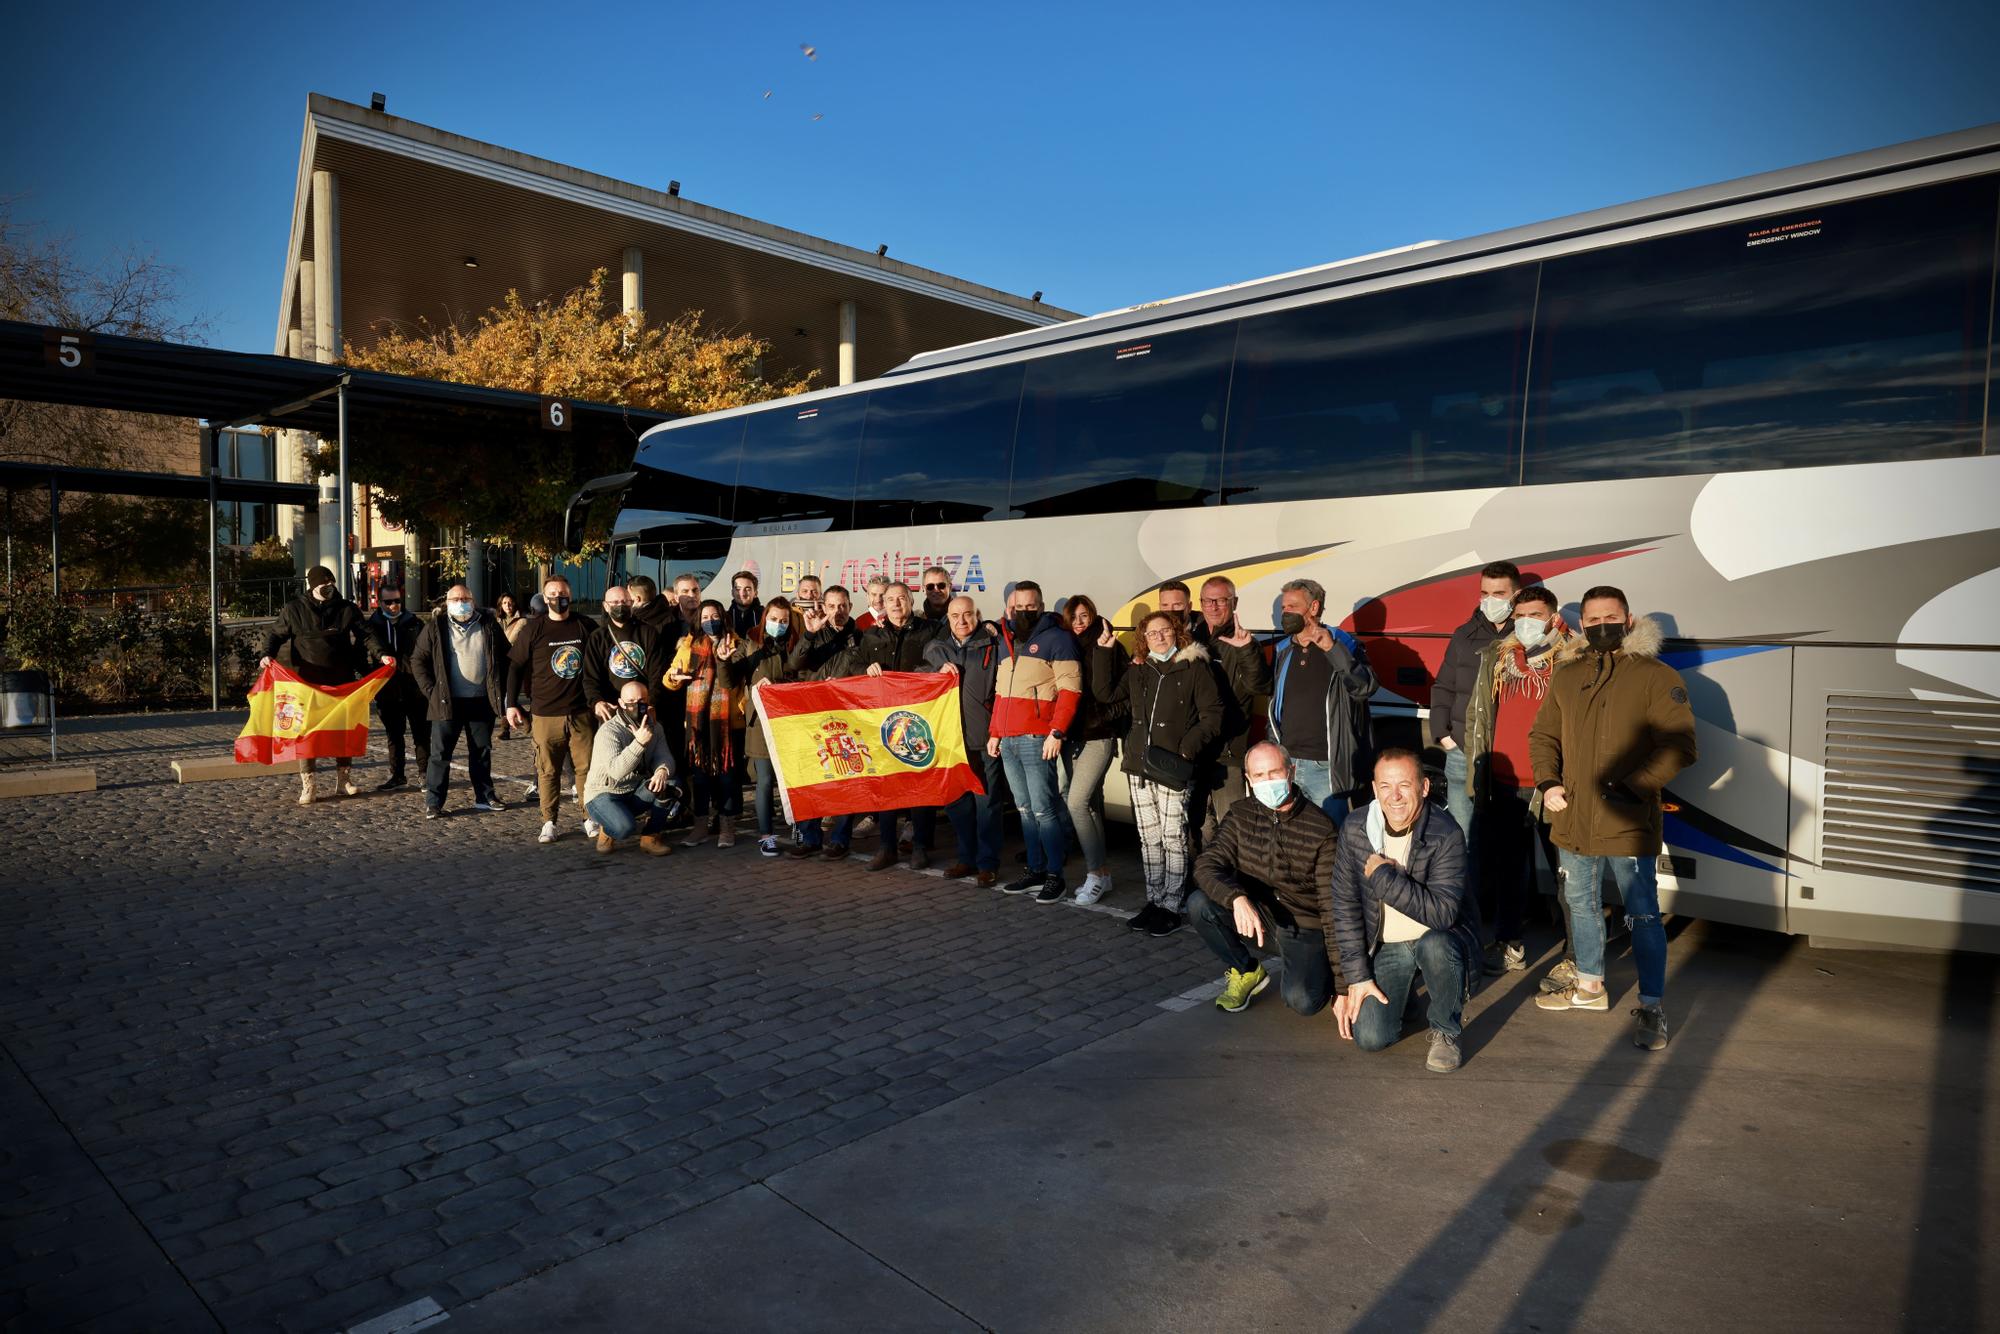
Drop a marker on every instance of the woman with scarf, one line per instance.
(714, 725)
(749, 666)
(1092, 742)
(1512, 682)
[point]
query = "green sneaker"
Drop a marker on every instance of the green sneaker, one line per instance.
(1238, 988)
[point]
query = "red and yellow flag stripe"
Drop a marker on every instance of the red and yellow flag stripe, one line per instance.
(293, 719)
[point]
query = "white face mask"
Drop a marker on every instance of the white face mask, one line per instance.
(1531, 633)
(1495, 609)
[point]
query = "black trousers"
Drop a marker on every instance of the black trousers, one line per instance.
(403, 709)
(1215, 788)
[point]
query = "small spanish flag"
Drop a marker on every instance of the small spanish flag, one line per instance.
(866, 743)
(291, 719)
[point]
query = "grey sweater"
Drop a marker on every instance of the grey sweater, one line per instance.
(618, 764)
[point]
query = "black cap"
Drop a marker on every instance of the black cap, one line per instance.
(318, 575)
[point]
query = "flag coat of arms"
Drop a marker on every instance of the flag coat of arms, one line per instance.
(292, 719)
(866, 743)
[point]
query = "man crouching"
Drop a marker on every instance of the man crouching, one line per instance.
(1401, 907)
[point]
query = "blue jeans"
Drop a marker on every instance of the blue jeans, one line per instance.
(1397, 962)
(1638, 884)
(620, 812)
(472, 719)
(1315, 779)
(1458, 800)
(807, 832)
(767, 791)
(1308, 981)
(974, 820)
(1033, 782)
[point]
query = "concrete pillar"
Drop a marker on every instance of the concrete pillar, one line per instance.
(847, 323)
(475, 571)
(308, 314)
(326, 264)
(295, 341)
(634, 295)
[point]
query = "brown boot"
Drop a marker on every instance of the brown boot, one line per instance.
(656, 844)
(957, 871)
(884, 859)
(727, 838)
(605, 842)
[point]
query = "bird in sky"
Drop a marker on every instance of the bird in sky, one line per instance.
(812, 52)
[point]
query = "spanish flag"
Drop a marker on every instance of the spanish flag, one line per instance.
(291, 719)
(866, 743)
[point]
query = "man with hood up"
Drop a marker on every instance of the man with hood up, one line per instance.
(325, 640)
(1613, 732)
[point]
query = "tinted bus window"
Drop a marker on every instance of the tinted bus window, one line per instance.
(689, 470)
(799, 459)
(1844, 334)
(1134, 425)
(1413, 389)
(938, 451)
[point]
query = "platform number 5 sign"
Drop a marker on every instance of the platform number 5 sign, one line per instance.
(555, 414)
(69, 351)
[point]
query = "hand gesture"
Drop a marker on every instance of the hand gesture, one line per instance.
(1239, 636)
(1106, 636)
(605, 711)
(1348, 1008)
(727, 648)
(1322, 638)
(993, 747)
(874, 669)
(642, 735)
(813, 618)
(1249, 922)
(514, 718)
(1556, 799)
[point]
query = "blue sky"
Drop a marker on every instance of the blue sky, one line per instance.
(1103, 153)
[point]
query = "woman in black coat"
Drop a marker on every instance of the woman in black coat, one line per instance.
(1175, 714)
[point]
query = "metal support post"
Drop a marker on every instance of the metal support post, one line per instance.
(214, 610)
(346, 504)
(55, 537)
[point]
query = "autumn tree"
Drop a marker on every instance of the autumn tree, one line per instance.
(577, 346)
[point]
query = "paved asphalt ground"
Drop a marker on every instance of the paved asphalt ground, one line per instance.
(276, 1068)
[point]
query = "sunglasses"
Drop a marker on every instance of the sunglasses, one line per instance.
(937, 588)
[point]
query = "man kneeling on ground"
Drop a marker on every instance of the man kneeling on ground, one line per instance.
(631, 773)
(1268, 865)
(1401, 907)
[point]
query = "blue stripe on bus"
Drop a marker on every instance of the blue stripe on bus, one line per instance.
(1680, 834)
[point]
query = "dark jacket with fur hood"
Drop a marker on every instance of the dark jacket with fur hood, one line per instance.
(1613, 732)
(1173, 705)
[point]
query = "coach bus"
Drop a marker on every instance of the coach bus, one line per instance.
(1765, 409)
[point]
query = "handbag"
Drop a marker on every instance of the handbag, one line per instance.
(1167, 768)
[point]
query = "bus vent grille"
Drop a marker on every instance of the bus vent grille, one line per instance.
(1912, 790)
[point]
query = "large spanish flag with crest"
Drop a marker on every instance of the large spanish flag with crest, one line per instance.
(866, 743)
(292, 719)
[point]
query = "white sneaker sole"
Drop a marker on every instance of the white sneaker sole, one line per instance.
(1255, 992)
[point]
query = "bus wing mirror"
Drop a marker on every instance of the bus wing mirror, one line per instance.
(579, 504)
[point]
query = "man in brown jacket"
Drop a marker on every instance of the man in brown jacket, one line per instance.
(1613, 732)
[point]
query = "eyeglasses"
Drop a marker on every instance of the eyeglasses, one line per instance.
(937, 588)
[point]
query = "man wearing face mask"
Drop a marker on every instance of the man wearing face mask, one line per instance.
(1453, 689)
(1512, 681)
(1613, 732)
(548, 657)
(622, 648)
(1036, 692)
(1319, 683)
(326, 641)
(400, 704)
(460, 666)
(631, 776)
(1266, 876)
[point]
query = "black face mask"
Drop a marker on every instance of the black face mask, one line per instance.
(1025, 623)
(1291, 622)
(560, 604)
(1606, 637)
(634, 713)
(618, 614)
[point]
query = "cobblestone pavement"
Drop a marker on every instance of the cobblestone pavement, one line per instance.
(269, 1066)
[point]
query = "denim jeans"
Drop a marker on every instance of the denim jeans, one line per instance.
(1397, 962)
(766, 775)
(1638, 885)
(1308, 981)
(807, 832)
(620, 812)
(1085, 763)
(1315, 779)
(473, 719)
(1458, 800)
(975, 821)
(1033, 782)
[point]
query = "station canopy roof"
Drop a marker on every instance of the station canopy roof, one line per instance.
(436, 225)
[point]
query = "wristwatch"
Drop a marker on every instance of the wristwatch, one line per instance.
(1056, 733)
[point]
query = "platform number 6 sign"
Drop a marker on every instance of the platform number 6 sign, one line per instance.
(555, 414)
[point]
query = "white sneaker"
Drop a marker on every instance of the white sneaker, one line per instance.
(548, 834)
(570, 791)
(590, 827)
(768, 846)
(864, 826)
(305, 789)
(1093, 888)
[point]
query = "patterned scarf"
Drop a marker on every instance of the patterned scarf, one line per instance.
(711, 741)
(1525, 675)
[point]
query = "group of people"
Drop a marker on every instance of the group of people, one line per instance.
(1265, 814)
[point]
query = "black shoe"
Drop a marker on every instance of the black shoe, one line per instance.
(1142, 919)
(433, 813)
(800, 850)
(392, 781)
(1027, 884)
(1052, 890)
(1165, 922)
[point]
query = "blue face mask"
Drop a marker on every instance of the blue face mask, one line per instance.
(776, 629)
(1160, 655)
(713, 629)
(1272, 791)
(460, 611)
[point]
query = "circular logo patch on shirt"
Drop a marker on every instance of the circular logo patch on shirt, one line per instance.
(627, 661)
(1680, 696)
(908, 737)
(566, 661)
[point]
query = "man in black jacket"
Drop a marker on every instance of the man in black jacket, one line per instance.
(1267, 871)
(326, 641)
(896, 644)
(1492, 619)
(460, 666)
(829, 635)
(400, 703)
(970, 650)
(622, 648)
(547, 658)
(1401, 907)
